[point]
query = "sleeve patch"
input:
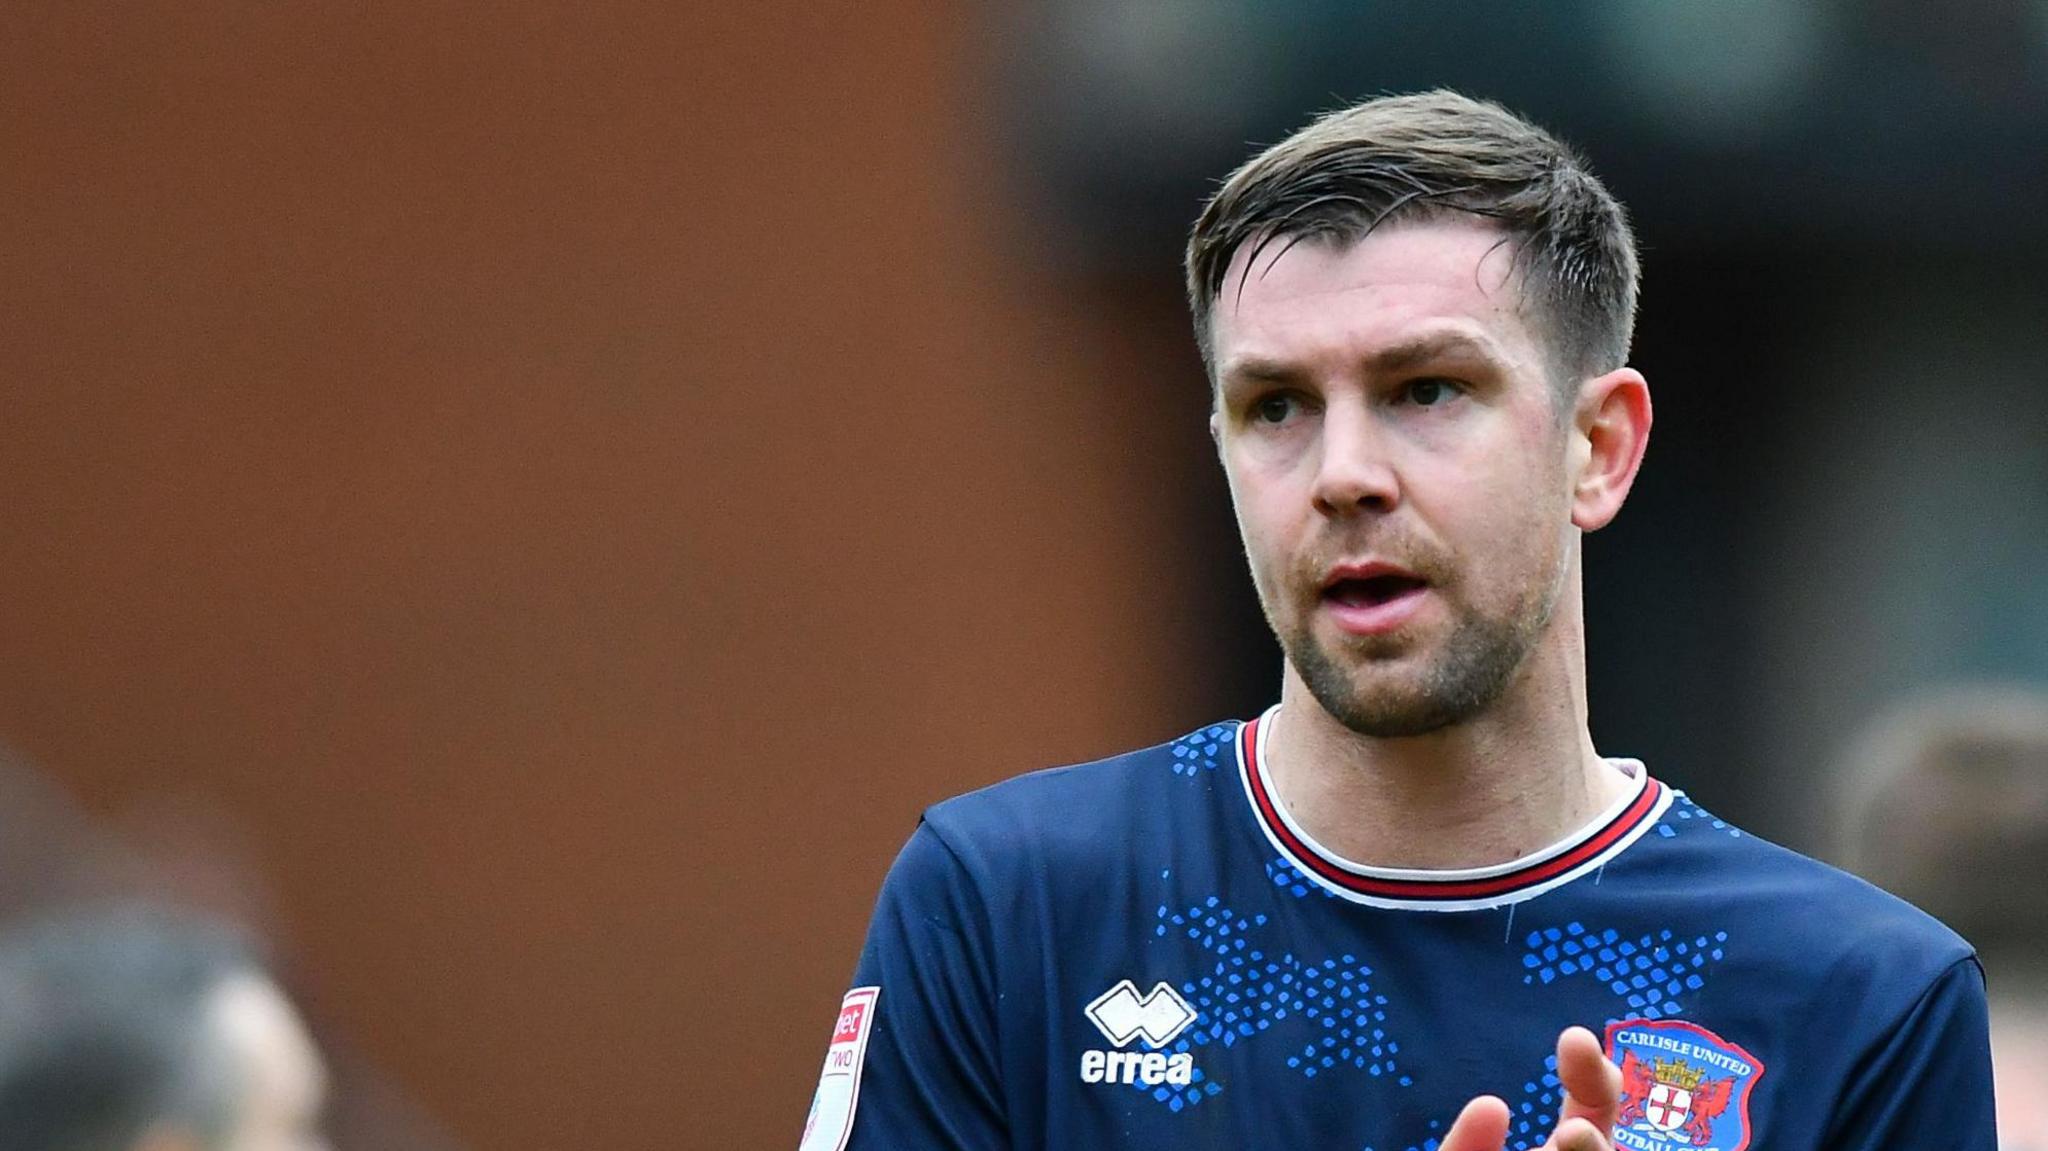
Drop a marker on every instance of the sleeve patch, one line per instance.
(831, 1120)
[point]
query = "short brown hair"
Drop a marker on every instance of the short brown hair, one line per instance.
(1431, 155)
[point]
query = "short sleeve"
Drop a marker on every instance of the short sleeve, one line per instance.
(1927, 1082)
(928, 1065)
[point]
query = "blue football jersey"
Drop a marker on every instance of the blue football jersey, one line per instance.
(1147, 952)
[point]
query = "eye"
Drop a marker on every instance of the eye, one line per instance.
(1274, 408)
(1429, 392)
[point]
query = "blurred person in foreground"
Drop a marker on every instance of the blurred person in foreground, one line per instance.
(136, 1029)
(1946, 804)
(1413, 879)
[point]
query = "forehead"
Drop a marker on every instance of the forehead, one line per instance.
(1329, 304)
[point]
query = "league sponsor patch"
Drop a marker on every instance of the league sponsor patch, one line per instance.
(831, 1120)
(1682, 1086)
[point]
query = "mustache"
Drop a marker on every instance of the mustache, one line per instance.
(1424, 558)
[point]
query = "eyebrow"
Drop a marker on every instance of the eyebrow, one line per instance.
(1386, 361)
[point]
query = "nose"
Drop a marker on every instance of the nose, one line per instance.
(1355, 474)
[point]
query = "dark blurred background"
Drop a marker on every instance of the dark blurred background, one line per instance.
(526, 503)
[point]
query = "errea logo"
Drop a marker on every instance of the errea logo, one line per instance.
(1122, 1015)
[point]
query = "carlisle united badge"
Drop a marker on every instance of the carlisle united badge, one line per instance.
(1682, 1087)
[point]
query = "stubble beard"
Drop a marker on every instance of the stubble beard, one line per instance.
(1363, 690)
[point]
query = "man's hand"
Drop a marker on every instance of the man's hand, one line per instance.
(1592, 1100)
(1481, 1126)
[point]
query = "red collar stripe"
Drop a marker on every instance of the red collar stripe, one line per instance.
(1550, 867)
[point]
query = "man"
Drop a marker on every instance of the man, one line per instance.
(1947, 805)
(136, 1030)
(1392, 899)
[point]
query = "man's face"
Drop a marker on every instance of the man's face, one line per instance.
(1398, 462)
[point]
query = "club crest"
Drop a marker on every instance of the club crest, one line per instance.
(1682, 1086)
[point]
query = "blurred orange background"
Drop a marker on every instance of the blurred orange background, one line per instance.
(568, 487)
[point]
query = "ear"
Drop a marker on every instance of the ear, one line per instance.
(1611, 429)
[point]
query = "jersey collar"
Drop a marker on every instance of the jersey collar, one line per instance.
(1585, 850)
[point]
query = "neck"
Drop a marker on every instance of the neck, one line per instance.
(1509, 782)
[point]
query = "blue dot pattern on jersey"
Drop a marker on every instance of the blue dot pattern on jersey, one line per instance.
(1249, 991)
(1205, 750)
(1651, 973)
(1293, 881)
(1684, 813)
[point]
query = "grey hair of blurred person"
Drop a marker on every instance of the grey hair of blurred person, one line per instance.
(107, 1030)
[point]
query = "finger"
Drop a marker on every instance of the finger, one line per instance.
(1592, 1084)
(1481, 1126)
(1579, 1135)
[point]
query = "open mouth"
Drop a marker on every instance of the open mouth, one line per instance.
(1373, 591)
